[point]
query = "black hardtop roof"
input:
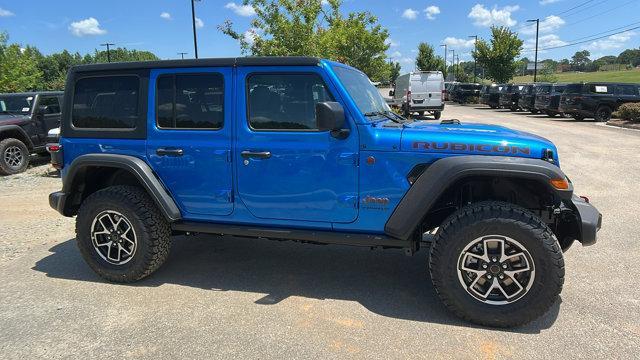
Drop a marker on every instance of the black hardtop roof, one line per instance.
(210, 62)
(33, 93)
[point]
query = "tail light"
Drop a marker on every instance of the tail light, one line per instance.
(408, 96)
(56, 155)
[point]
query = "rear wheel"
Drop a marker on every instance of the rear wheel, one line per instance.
(534, 111)
(550, 113)
(437, 114)
(513, 108)
(578, 117)
(121, 234)
(603, 114)
(496, 264)
(14, 156)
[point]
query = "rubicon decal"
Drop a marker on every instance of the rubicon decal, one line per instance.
(462, 147)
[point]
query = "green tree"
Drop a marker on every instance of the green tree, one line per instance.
(426, 60)
(547, 73)
(394, 71)
(630, 56)
(307, 28)
(580, 60)
(18, 68)
(498, 57)
(121, 55)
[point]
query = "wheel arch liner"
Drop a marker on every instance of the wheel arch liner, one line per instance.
(435, 180)
(137, 167)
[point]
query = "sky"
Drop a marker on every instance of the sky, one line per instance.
(164, 26)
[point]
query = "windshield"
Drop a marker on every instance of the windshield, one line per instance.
(364, 94)
(19, 104)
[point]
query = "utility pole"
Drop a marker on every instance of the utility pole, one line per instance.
(108, 50)
(193, 21)
(475, 48)
(458, 63)
(453, 63)
(182, 54)
(535, 61)
(445, 60)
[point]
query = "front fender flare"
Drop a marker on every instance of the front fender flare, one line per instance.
(435, 180)
(18, 129)
(139, 168)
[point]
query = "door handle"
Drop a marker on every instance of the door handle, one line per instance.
(169, 152)
(256, 154)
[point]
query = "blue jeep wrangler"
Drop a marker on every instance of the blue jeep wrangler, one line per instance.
(304, 149)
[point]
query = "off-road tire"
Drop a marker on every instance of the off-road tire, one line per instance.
(513, 108)
(550, 113)
(496, 218)
(534, 111)
(14, 145)
(152, 232)
(437, 115)
(578, 117)
(603, 113)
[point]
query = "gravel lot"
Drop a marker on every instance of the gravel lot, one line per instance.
(220, 297)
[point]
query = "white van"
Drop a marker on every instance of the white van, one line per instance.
(420, 91)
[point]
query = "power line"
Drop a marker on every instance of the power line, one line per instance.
(604, 32)
(575, 7)
(585, 41)
(585, 8)
(601, 13)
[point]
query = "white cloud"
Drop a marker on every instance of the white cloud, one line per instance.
(497, 16)
(199, 23)
(165, 15)
(459, 43)
(612, 42)
(395, 55)
(549, 24)
(242, 10)
(544, 41)
(431, 12)
(5, 13)
(324, 2)
(410, 14)
(89, 26)
(391, 43)
(547, 2)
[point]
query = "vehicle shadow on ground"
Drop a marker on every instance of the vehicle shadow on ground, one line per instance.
(387, 282)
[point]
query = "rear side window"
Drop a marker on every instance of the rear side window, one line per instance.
(190, 101)
(628, 90)
(109, 102)
(285, 101)
(52, 104)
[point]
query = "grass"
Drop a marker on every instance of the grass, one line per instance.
(625, 76)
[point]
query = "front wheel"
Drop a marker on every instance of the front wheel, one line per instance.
(437, 114)
(121, 234)
(496, 264)
(14, 156)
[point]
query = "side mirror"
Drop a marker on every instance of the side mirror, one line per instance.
(392, 93)
(330, 117)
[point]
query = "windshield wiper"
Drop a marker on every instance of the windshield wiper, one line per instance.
(386, 114)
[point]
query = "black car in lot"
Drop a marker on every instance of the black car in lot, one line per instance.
(548, 99)
(528, 97)
(510, 97)
(597, 100)
(466, 92)
(25, 120)
(490, 95)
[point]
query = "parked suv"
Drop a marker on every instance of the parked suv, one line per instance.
(548, 99)
(491, 95)
(510, 96)
(307, 150)
(467, 92)
(528, 97)
(597, 100)
(25, 120)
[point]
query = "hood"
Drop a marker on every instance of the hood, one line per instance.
(473, 139)
(11, 119)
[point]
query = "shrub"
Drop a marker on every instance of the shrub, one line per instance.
(629, 111)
